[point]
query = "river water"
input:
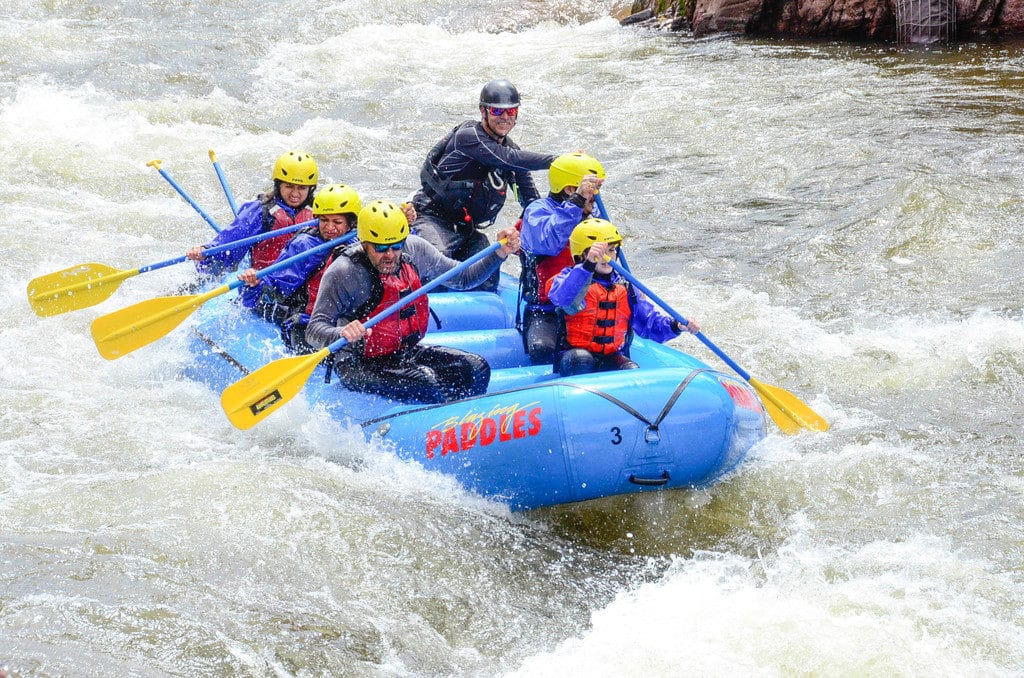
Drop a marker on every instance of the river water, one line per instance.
(845, 221)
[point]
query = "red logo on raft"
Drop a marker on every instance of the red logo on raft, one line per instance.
(501, 424)
(741, 395)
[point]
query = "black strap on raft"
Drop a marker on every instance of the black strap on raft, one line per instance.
(652, 435)
(218, 350)
(525, 263)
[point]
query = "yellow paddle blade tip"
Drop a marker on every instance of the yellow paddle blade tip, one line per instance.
(788, 412)
(73, 288)
(121, 332)
(253, 398)
(245, 415)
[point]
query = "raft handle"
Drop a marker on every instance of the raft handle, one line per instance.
(652, 435)
(649, 482)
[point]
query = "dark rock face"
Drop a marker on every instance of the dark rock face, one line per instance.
(730, 16)
(850, 19)
(858, 20)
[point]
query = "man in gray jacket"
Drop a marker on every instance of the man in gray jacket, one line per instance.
(385, 266)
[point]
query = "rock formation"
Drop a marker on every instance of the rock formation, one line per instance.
(913, 21)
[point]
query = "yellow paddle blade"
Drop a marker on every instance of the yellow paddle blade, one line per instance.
(782, 420)
(787, 411)
(73, 288)
(250, 399)
(143, 323)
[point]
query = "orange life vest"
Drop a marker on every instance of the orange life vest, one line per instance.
(603, 324)
(265, 252)
(406, 326)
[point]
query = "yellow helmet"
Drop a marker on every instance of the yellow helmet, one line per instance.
(590, 231)
(382, 223)
(336, 199)
(570, 168)
(296, 168)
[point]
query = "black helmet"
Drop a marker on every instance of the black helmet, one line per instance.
(499, 93)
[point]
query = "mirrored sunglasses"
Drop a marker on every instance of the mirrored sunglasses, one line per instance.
(381, 249)
(498, 112)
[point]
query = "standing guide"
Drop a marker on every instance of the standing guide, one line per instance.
(468, 173)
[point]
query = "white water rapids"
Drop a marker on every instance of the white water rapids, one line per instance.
(845, 221)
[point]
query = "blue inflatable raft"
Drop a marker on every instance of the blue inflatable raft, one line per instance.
(534, 439)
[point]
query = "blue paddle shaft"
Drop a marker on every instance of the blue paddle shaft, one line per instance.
(188, 199)
(244, 242)
(405, 301)
(679, 318)
(604, 215)
(224, 185)
(285, 263)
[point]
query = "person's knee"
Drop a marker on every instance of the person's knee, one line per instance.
(478, 372)
(575, 361)
(459, 374)
(540, 338)
(541, 348)
(624, 363)
(476, 364)
(425, 385)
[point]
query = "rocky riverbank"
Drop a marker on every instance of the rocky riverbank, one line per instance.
(891, 21)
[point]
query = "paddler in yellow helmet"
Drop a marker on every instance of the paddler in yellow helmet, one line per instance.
(574, 180)
(601, 310)
(368, 277)
(289, 202)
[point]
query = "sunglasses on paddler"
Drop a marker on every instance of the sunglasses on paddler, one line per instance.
(498, 112)
(381, 249)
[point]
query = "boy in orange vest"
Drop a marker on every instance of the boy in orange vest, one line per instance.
(600, 309)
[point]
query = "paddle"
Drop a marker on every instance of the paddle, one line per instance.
(789, 412)
(223, 183)
(251, 399)
(605, 215)
(86, 285)
(181, 191)
(133, 327)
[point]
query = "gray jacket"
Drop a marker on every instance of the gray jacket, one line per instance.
(347, 285)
